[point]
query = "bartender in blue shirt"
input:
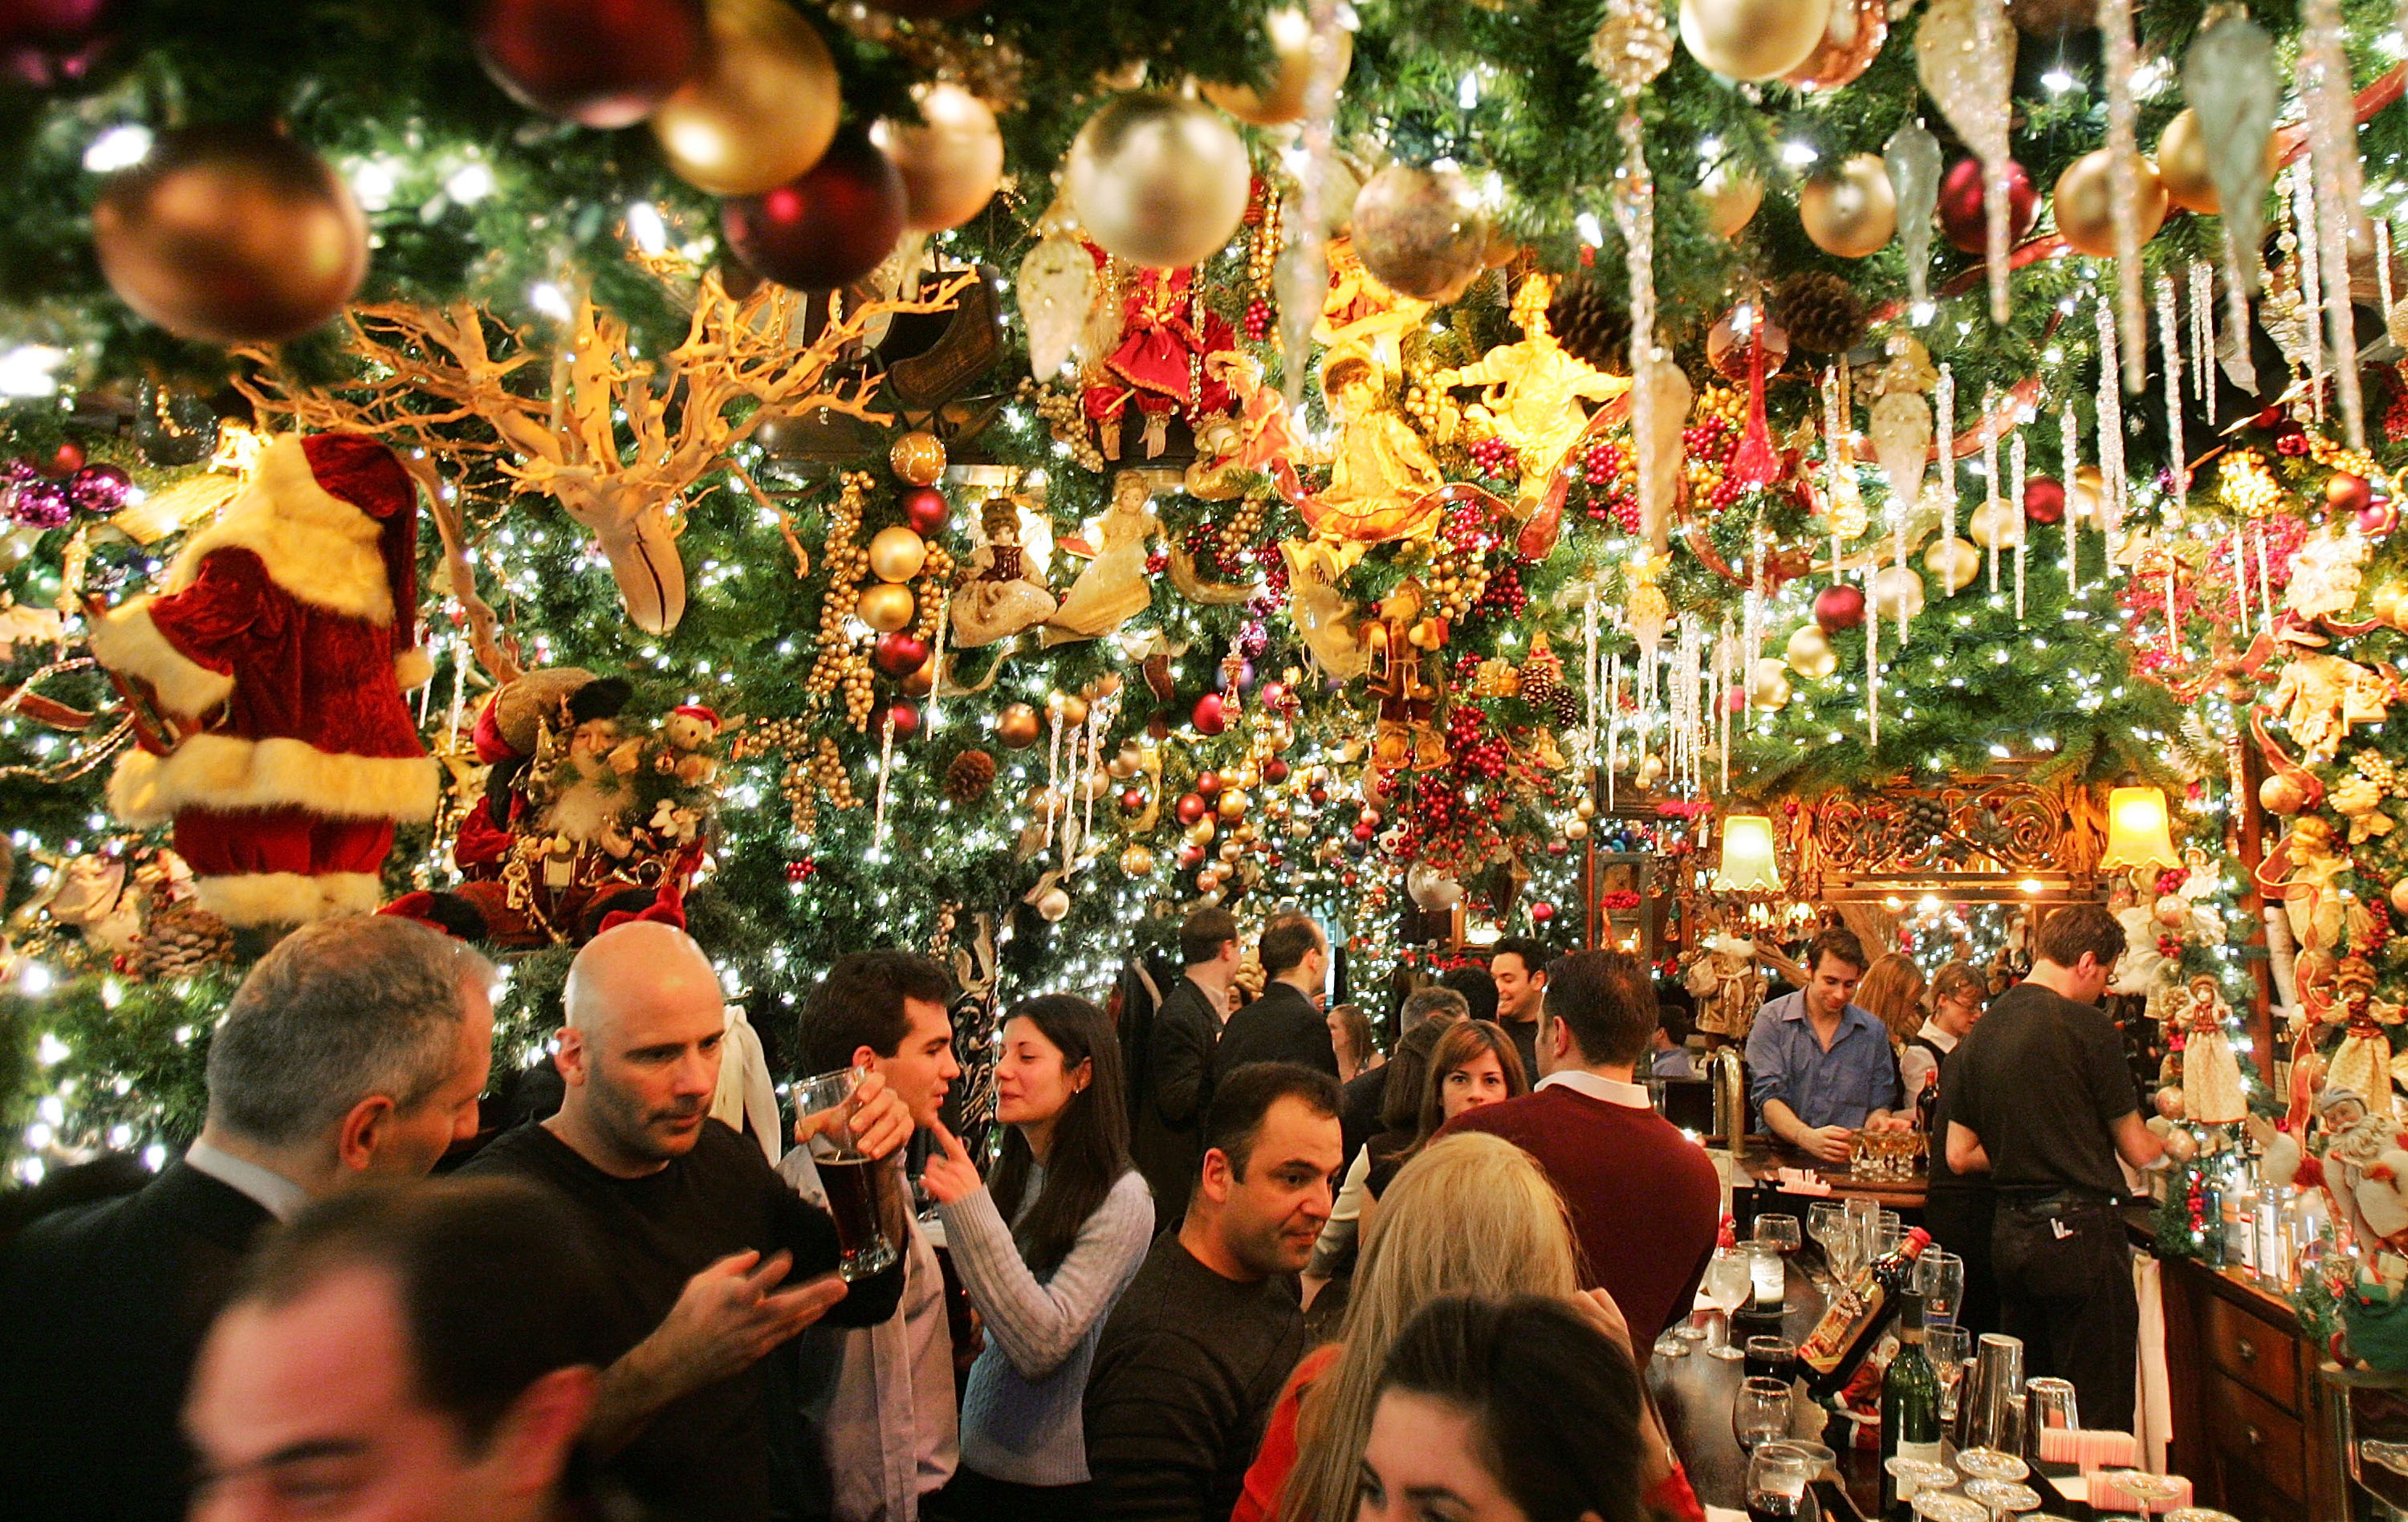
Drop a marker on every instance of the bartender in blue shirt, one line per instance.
(1819, 1067)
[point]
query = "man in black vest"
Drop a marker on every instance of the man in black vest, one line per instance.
(1287, 1024)
(352, 1053)
(1174, 1087)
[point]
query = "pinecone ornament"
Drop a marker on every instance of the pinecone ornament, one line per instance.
(1591, 327)
(1821, 312)
(1563, 705)
(180, 941)
(970, 775)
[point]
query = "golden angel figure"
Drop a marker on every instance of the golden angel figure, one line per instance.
(1381, 477)
(1112, 589)
(1533, 391)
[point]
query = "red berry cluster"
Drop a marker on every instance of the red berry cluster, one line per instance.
(2395, 417)
(1205, 544)
(1710, 439)
(1477, 755)
(1724, 494)
(1602, 462)
(1466, 666)
(801, 868)
(1493, 455)
(2294, 444)
(1258, 319)
(1505, 596)
(1465, 527)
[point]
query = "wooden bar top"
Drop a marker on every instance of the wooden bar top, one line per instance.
(1763, 1159)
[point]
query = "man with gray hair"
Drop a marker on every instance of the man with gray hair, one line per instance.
(352, 1053)
(1359, 1098)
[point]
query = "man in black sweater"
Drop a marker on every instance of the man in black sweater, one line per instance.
(1284, 1024)
(352, 1053)
(696, 1230)
(1195, 1352)
(1173, 1086)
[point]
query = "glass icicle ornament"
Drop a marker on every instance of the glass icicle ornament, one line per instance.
(2111, 428)
(2332, 150)
(1943, 403)
(2016, 465)
(1964, 55)
(1913, 159)
(2169, 342)
(2229, 78)
(2202, 335)
(1302, 277)
(2124, 186)
(1631, 47)
(1992, 504)
(2070, 444)
(2307, 250)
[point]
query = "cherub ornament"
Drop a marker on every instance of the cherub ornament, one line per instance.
(1361, 311)
(1532, 392)
(2321, 695)
(1114, 587)
(1382, 481)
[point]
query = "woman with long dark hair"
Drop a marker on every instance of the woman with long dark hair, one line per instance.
(1044, 1248)
(1475, 1063)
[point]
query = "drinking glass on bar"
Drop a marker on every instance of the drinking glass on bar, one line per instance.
(1826, 1219)
(1760, 1412)
(862, 1192)
(1780, 1231)
(1995, 1423)
(1768, 1274)
(1949, 1349)
(2048, 1403)
(1940, 1279)
(1727, 1287)
(1771, 1357)
(1777, 1476)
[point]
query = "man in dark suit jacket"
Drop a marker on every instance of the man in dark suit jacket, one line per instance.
(1359, 1098)
(1284, 1024)
(353, 1051)
(1174, 1086)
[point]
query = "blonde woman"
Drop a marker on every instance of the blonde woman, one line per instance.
(1470, 1215)
(1892, 993)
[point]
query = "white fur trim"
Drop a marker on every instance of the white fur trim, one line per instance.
(224, 774)
(316, 546)
(413, 669)
(129, 641)
(287, 898)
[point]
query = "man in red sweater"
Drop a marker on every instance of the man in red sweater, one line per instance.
(1646, 1202)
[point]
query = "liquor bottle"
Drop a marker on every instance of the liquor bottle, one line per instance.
(1910, 1407)
(1926, 1102)
(2241, 1225)
(1853, 1323)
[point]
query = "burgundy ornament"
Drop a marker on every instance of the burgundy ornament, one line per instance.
(2044, 499)
(1212, 715)
(1132, 800)
(906, 719)
(1840, 606)
(826, 227)
(1190, 808)
(99, 489)
(41, 504)
(597, 63)
(48, 43)
(926, 510)
(1275, 770)
(1208, 783)
(2378, 518)
(1962, 220)
(900, 654)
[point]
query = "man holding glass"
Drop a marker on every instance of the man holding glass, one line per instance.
(2039, 1098)
(1819, 1067)
(716, 1261)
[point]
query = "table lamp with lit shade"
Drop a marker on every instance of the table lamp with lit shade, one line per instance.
(2137, 833)
(1747, 863)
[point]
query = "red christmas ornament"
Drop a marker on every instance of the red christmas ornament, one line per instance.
(2044, 499)
(900, 654)
(828, 226)
(2272, 417)
(1317, 795)
(1840, 606)
(1190, 857)
(1132, 800)
(1208, 783)
(906, 717)
(65, 461)
(926, 510)
(801, 869)
(1541, 912)
(1274, 770)
(2378, 518)
(1190, 808)
(1364, 833)
(598, 63)
(2345, 492)
(1212, 715)
(1963, 221)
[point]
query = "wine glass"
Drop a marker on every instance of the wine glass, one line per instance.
(1991, 1464)
(1780, 1231)
(1727, 1286)
(2145, 1487)
(1777, 1476)
(1913, 1476)
(1949, 1348)
(1948, 1506)
(1940, 1279)
(1760, 1412)
(1826, 1219)
(2004, 1498)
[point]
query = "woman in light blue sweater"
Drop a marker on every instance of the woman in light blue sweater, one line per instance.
(1043, 1251)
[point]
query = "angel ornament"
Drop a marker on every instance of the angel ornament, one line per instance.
(2211, 1074)
(1322, 617)
(1001, 595)
(1533, 392)
(2363, 1060)
(2324, 576)
(1382, 479)
(2321, 695)
(1114, 588)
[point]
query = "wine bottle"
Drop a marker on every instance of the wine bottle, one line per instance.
(1926, 1101)
(1853, 1323)
(1910, 1407)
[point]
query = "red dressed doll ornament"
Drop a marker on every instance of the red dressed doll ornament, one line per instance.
(278, 654)
(1162, 363)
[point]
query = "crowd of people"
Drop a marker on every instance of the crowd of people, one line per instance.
(639, 1306)
(1199, 1278)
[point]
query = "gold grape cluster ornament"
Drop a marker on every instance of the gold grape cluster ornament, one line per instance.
(840, 665)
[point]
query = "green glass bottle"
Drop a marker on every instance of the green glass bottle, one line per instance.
(1910, 1407)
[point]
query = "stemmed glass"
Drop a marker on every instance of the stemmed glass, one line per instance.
(1777, 1476)
(2146, 1487)
(1914, 1476)
(1780, 1231)
(1761, 1412)
(1826, 1219)
(2004, 1498)
(1949, 1348)
(1727, 1286)
(1948, 1506)
(1991, 1464)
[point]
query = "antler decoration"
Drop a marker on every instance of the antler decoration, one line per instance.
(617, 441)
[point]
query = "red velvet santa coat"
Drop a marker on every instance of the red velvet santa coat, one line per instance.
(281, 612)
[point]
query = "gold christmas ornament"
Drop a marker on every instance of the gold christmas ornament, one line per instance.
(1052, 906)
(1158, 181)
(1281, 100)
(1018, 726)
(897, 554)
(1854, 212)
(1731, 195)
(230, 235)
(1810, 653)
(2399, 896)
(1954, 562)
(2283, 794)
(1898, 592)
(887, 607)
(762, 109)
(1421, 231)
(1993, 525)
(1768, 684)
(1753, 39)
(1576, 830)
(1233, 804)
(2086, 217)
(2087, 497)
(2182, 166)
(1136, 861)
(951, 159)
(918, 458)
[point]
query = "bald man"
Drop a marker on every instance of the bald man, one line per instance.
(715, 1262)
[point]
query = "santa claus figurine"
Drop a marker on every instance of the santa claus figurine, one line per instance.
(279, 652)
